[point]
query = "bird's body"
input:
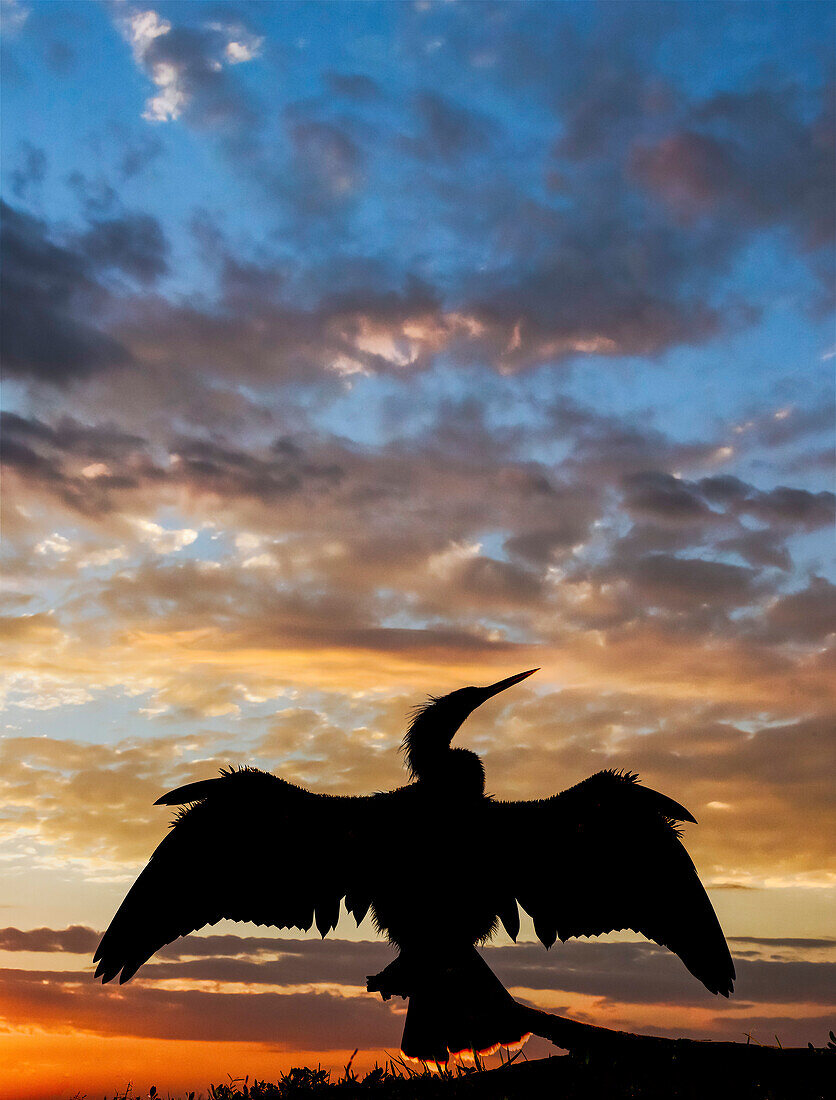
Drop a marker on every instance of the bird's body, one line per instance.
(438, 863)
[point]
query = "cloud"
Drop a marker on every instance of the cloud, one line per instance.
(161, 540)
(75, 940)
(797, 507)
(50, 295)
(664, 498)
(15, 15)
(602, 268)
(608, 977)
(356, 86)
(93, 803)
(448, 131)
(681, 583)
(89, 803)
(31, 173)
(628, 973)
(750, 155)
(791, 423)
(187, 65)
(289, 1021)
(326, 167)
(133, 244)
(760, 547)
(95, 196)
(787, 941)
(138, 154)
(381, 548)
(807, 615)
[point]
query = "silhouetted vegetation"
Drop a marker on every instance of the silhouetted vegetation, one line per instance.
(648, 1069)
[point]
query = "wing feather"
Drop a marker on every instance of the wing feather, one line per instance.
(606, 856)
(248, 847)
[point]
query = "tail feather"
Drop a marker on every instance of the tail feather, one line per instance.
(460, 1007)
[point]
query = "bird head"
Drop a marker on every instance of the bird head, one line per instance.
(434, 724)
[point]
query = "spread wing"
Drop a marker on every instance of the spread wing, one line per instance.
(249, 847)
(605, 856)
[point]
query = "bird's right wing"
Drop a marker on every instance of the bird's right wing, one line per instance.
(249, 847)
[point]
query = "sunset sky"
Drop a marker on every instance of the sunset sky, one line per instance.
(357, 351)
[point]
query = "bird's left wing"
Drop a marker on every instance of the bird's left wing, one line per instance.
(605, 856)
(248, 847)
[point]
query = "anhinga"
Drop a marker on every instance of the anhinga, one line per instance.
(439, 863)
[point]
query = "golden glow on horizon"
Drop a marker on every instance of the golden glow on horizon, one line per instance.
(51, 1065)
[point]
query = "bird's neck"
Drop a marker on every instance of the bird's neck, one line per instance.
(439, 766)
(427, 744)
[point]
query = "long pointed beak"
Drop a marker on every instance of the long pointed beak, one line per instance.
(501, 685)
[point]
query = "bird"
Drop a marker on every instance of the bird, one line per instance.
(440, 865)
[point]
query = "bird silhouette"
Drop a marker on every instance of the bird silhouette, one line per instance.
(438, 863)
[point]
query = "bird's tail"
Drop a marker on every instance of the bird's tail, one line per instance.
(459, 1006)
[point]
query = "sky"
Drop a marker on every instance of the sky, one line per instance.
(358, 351)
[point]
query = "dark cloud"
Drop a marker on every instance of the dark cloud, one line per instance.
(791, 424)
(137, 155)
(608, 269)
(724, 489)
(60, 56)
(95, 196)
(56, 457)
(587, 297)
(796, 507)
(499, 582)
(75, 940)
(252, 333)
(193, 60)
(643, 973)
(751, 156)
(448, 130)
(618, 973)
(307, 617)
(631, 973)
(401, 526)
(292, 1021)
(327, 166)
(785, 941)
(104, 441)
(602, 268)
(760, 548)
(542, 545)
(133, 244)
(613, 448)
(814, 461)
(665, 498)
(31, 172)
(805, 616)
(356, 86)
(285, 470)
(682, 583)
(50, 296)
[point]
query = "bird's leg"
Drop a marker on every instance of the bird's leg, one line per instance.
(395, 980)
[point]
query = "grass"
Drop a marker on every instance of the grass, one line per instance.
(396, 1077)
(795, 1074)
(628, 1071)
